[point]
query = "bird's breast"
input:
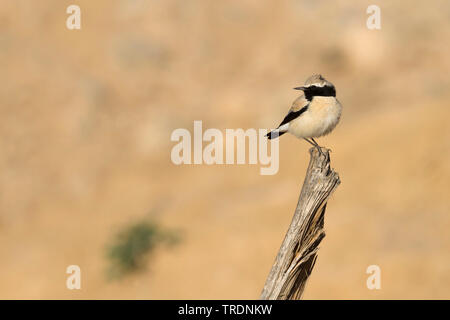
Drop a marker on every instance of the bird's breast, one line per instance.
(322, 116)
(325, 108)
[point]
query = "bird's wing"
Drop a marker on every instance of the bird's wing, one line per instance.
(293, 115)
(299, 106)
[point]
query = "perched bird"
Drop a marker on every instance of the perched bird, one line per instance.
(313, 114)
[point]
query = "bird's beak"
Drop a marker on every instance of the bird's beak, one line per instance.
(300, 88)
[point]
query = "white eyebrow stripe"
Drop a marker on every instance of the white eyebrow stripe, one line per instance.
(315, 84)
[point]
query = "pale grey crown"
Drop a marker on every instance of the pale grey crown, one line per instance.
(317, 80)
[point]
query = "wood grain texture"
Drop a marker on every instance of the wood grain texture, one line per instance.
(298, 252)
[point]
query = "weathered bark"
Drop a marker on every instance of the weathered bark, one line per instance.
(298, 252)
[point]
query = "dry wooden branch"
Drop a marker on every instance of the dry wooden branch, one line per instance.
(298, 252)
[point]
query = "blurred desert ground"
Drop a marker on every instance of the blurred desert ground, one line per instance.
(85, 125)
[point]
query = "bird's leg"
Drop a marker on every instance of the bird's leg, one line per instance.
(317, 146)
(309, 142)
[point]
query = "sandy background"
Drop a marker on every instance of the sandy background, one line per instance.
(85, 124)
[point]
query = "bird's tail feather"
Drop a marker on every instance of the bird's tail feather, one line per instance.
(275, 134)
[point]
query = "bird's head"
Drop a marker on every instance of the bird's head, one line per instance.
(316, 85)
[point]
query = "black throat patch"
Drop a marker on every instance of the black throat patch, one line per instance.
(315, 91)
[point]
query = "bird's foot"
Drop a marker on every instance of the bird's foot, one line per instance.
(319, 148)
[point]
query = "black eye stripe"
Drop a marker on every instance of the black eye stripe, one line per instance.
(315, 91)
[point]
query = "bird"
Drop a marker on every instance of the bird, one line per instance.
(315, 113)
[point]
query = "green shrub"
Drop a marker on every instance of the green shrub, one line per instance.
(131, 247)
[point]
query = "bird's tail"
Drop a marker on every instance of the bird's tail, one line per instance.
(275, 133)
